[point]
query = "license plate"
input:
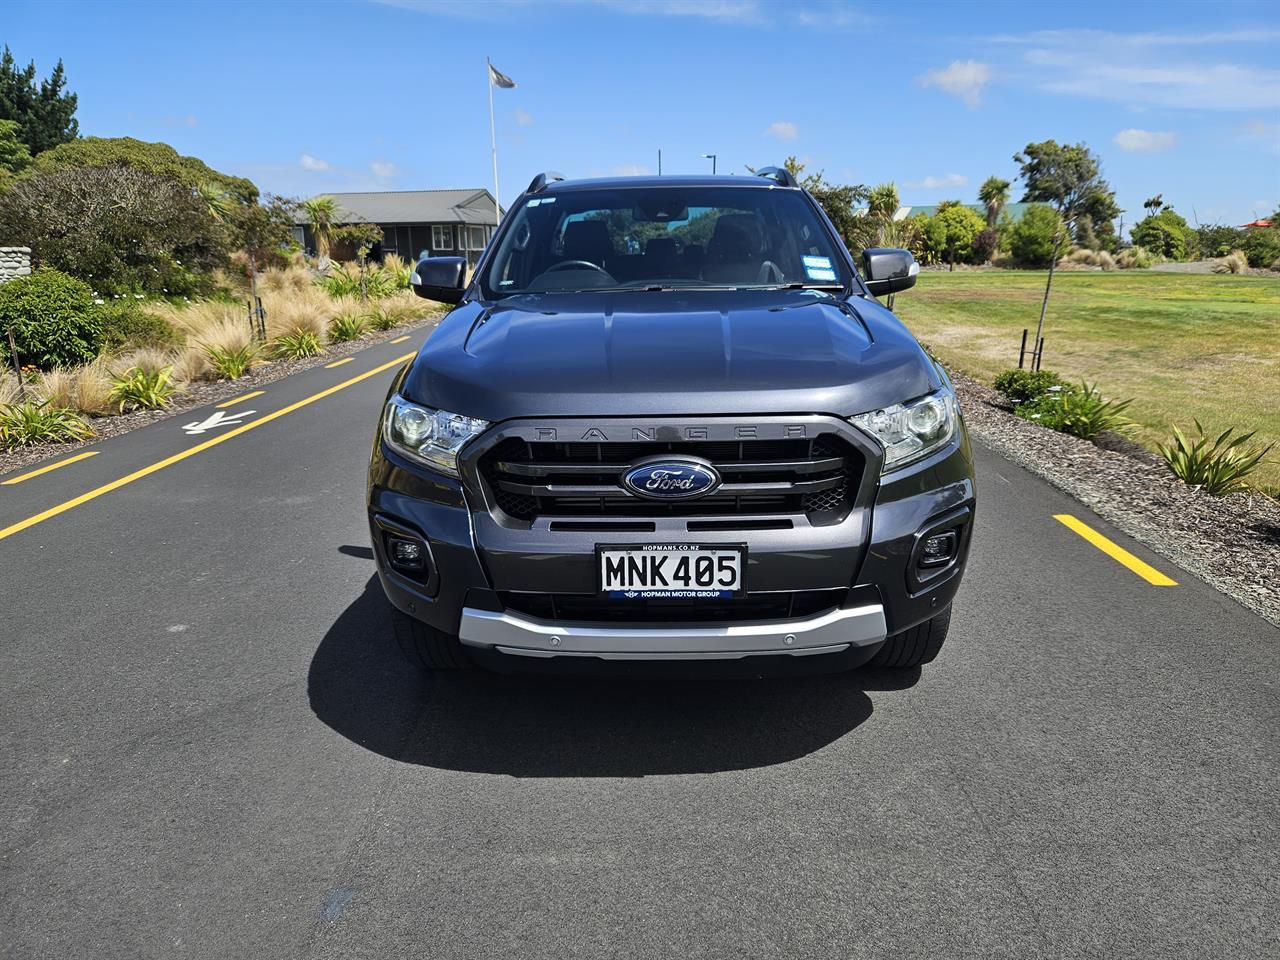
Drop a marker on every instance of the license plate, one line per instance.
(649, 570)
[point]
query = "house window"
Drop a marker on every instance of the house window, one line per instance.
(442, 237)
(475, 238)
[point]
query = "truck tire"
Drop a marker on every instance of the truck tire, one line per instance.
(914, 647)
(426, 647)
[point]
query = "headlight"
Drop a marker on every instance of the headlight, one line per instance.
(910, 431)
(431, 436)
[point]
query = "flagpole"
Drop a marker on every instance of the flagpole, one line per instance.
(493, 138)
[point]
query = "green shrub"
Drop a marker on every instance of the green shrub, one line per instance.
(118, 228)
(1218, 241)
(1081, 412)
(1166, 233)
(1218, 466)
(142, 389)
(1023, 386)
(124, 325)
(232, 363)
(38, 421)
(343, 280)
(347, 326)
(1031, 238)
(54, 320)
(1262, 246)
(295, 346)
(386, 319)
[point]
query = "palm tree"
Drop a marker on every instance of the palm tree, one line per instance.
(321, 213)
(994, 193)
(882, 205)
(216, 200)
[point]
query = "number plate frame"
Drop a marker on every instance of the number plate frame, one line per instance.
(672, 593)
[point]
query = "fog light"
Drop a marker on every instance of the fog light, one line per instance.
(406, 554)
(938, 549)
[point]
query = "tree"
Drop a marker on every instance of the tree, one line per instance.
(1070, 179)
(45, 114)
(1165, 233)
(952, 230)
(119, 229)
(1153, 204)
(14, 156)
(1038, 238)
(839, 202)
(321, 212)
(156, 158)
(994, 194)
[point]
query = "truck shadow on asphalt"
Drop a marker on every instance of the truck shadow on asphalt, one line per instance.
(554, 726)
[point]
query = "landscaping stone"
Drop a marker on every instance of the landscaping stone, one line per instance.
(1232, 542)
(14, 262)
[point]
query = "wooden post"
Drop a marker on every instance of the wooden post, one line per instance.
(17, 366)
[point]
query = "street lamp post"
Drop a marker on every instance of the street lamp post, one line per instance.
(712, 158)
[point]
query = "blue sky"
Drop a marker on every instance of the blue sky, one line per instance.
(1181, 99)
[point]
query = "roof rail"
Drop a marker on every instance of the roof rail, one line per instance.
(539, 183)
(781, 175)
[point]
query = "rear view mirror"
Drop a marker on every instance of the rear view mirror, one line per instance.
(888, 270)
(440, 278)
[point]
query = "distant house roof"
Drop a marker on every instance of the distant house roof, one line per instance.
(415, 206)
(1257, 225)
(1014, 210)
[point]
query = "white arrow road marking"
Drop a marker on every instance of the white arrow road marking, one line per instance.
(219, 418)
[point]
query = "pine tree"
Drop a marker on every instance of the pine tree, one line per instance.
(44, 112)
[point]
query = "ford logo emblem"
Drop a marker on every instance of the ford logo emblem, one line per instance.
(670, 479)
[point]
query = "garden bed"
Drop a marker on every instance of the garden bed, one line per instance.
(198, 394)
(1232, 542)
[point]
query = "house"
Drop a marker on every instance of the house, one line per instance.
(1256, 225)
(415, 222)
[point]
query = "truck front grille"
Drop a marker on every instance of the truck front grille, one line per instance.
(815, 477)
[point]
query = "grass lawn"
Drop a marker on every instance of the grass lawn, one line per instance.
(1182, 345)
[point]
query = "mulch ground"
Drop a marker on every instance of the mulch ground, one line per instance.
(1231, 542)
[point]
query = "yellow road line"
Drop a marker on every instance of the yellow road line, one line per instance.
(1115, 551)
(52, 466)
(247, 396)
(192, 451)
(401, 339)
(338, 363)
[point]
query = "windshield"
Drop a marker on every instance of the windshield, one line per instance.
(678, 237)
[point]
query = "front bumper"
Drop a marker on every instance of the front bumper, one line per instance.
(831, 632)
(869, 559)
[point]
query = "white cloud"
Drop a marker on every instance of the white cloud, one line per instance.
(1133, 140)
(782, 130)
(522, 119)
(1146, 69)
(1109, 38)
(383, 169)
(938, 183)
(965, 79)
(631, 170)
(308, 162)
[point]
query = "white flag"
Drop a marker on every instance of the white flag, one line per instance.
(500, 79)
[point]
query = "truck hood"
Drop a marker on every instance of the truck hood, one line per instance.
(668, 353)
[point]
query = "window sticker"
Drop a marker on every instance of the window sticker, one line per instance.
(818, 268)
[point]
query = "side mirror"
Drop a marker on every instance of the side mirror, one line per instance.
(888, 270)
(440, 278)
